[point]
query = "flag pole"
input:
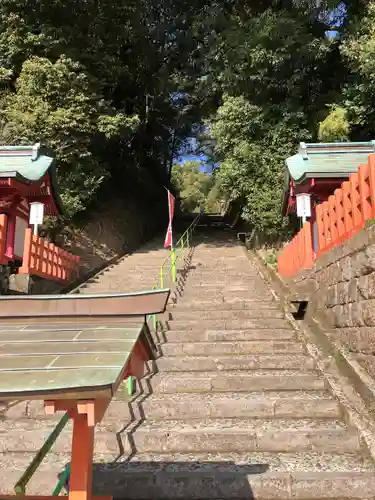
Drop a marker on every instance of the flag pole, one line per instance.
(169, 237)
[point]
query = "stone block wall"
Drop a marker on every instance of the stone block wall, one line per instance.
(342, 285)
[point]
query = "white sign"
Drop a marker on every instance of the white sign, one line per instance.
(36, 215)
(303, 205)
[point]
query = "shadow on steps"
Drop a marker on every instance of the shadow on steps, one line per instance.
(173, 480)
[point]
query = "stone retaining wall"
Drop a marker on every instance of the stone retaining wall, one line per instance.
(342, 285)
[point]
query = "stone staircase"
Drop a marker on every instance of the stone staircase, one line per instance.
(134, 272)
(237, 409)
(234, 407)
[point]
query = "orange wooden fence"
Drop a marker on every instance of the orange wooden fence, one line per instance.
(337, 219)
(298, 254)
(3, 238)
(44, 259)
(347, 210)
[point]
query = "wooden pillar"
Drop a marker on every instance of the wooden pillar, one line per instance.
(11, 234)
(80, 484)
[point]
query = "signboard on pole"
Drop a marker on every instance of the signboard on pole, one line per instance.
(36, 215)
(303, 206)
(168, 242)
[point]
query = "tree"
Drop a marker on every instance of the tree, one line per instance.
(94, 82)
(60, 104)
(196, 188)
(275, 77)
(335, 127)
(359, 92)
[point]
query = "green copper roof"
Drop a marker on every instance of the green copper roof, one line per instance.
(327, 160)
(28, 163)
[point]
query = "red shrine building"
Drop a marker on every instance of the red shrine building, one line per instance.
(28, 175)
(317, 170)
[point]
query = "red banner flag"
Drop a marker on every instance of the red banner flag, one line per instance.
(168, 242)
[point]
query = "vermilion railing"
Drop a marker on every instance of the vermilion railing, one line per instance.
(3, 238)
(44, 259)
(347, 210)
(298, 254)
(337, 219)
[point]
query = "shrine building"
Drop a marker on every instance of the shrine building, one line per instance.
(27, 175)
(317, 170)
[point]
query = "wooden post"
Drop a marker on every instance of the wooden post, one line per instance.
(364, 192)
(356, 201)
(25, 269)
(80, 484)
(332, 219)
(11, 234)
(308, 247)
(347, 203)
(326, 225)
(319, 222)
(340, 214)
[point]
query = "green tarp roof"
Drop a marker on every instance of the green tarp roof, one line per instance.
(328, 160)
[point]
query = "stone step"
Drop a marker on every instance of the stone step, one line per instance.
(201, 288)
(296, 404)
(225, 324)
(243, 294)
(233, 278)
(228, 305)
(258, 476)
(233, 348)
(223, 335)
(239, 435)
(239, 362)
(221, 313)
(176, 436)
(186, 296)
(237, 381)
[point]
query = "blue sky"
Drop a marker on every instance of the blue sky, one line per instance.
(189, 153)
(205, 167)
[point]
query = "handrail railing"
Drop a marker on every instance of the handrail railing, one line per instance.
(20, 487)
(183, 242)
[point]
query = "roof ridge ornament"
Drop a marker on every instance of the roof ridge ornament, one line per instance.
(35, 154)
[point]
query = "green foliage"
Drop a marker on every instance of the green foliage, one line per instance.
(94, 81)
(335, 127)
(274, 68)
(58, 103)
(253, 154)
(358, 50)
(196, 188)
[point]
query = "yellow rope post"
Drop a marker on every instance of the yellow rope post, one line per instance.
(174, 270)
(161, 277)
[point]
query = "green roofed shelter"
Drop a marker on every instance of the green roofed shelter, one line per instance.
(320, 168)
(29, 174)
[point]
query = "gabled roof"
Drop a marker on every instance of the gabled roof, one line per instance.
(327, 160)
(29, 165)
